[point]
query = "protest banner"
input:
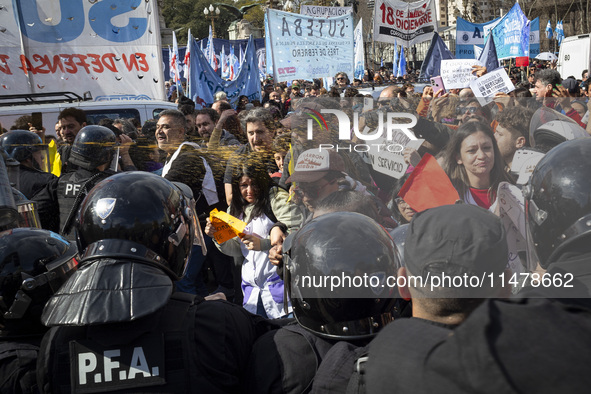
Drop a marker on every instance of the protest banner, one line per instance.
(458, 73)
(319, 11)
(304, 47)
(485, 87)
(227, 226)
(108, 48)
(391, 161)
(407, 23)
(470, 36)
(512, 34)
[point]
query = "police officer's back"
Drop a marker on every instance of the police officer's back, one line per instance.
(118, 326)
(33, 264)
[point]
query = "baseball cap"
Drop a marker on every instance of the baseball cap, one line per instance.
(466, 237)
(315, 164)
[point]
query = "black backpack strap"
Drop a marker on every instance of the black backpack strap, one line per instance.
(357, 382)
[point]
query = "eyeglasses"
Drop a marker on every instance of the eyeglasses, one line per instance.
(311, 189)
(340, 78)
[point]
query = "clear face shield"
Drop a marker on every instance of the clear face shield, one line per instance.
(40, 158)
(190, 213)
(114, 166)
(532, 212)
(290, 287)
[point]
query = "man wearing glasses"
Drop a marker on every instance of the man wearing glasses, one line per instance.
(341, 80)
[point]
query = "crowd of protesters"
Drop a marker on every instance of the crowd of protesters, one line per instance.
(255, 161)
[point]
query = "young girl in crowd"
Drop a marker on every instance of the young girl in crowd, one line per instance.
(474, 164)
(260, 204)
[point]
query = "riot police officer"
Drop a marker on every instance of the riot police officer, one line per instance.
(559, 217)
(92, 153)
(334, 321)
(33, 264)
(33, 176)
(118, 324)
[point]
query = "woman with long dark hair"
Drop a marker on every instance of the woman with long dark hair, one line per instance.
(474, 164)
(259, 203)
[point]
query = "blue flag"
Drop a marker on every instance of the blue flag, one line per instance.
(488, 57)
(548, 30)
(437, 52)
(395, 60)
(205, 82)
(401, 64)
(512, 34)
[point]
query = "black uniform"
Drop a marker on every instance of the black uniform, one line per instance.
(17, 366)
(64, 151)
(524, 346)
(70, 185)
(186, 345)
(33, 184)
(293, 360)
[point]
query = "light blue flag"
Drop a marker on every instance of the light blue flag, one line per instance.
(512, 34)
(395, 60)
(559, 32)
(549, 30)
(401, 64)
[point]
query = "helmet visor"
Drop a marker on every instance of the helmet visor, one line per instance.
(115, 160)
(40, 159)
(28, 214)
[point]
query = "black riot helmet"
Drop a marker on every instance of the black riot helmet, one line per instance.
(93, 146)
(24, 145)
(28, 212)
(355, 251)
(398, 235)
(558, 200)
(34, 263)
(139, 216)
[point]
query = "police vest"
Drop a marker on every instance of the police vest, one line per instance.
(69, 187)
(152, 354)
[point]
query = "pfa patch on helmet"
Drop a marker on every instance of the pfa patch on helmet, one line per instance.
(105, 206)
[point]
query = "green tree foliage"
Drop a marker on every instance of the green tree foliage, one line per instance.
(182, 15)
